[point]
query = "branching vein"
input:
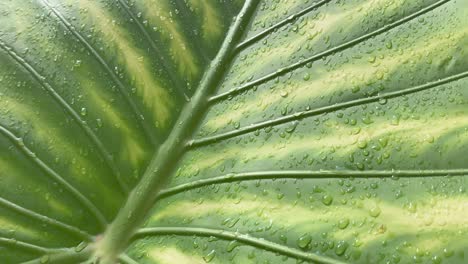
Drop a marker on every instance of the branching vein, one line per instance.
(242, 238)
(344, 46)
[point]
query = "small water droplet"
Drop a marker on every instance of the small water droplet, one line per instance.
(83, 111)
(327, 199)
(232, 245)
(341, 248)
(383, 101)
(44, 259)
(304, 241)
(343, 223)
(210, 256)
(81, 246)
(375, 211)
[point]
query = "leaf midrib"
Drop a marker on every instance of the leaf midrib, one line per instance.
(163, 162)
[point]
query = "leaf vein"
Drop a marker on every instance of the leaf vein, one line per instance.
(37, 216)
(137, 112)
(244, 44)
(125, 259)
(344, 46)
(28, 246)
(243, 238)
(70, 111)
(18, 142)
(322, 110)
(306, 174)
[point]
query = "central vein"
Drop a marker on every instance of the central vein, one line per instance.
(163, 163)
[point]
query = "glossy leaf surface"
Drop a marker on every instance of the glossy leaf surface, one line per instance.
(233, 132)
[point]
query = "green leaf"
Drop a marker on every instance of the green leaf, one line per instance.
(271, 131)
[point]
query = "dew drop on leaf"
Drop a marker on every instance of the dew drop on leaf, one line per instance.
(83, 111)
(44, 259)
(210, 256)
(341, 248)
(327, 199)
(231, 246)
(304, 241)
(81, 246)
(375, 211)
(343, 223)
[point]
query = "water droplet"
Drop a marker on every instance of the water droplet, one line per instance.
(375, 211)
(383, 101)
(395, 120)
(210, 256)
(355, 89)
(44, 259)
(232, 245)
(412, 207)
(327, 199)
(343, 223)
(81, 246)
(304, 241)
(383, 142)
(436, 259)
(341, 248)
(292, 127)
(83, 111)
(389, 44)
(448, 252)
(362, 144)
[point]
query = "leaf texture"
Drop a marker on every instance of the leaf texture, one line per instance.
(318, 131)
